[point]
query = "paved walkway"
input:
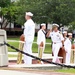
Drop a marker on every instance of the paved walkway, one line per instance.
(30, 72)
(8, 72)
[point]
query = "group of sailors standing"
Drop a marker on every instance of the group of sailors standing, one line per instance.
(59, 40)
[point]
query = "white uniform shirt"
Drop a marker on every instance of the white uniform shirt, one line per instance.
(41, 37)
(56, 37)
(67, 45)
(65, 38)
(29, 30)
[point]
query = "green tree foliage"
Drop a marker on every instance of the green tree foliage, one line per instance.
(5, 3)
(11, 12)
(52, 11)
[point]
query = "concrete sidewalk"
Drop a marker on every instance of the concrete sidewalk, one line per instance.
(8, 72)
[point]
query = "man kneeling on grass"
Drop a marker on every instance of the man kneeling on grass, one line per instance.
(41, 39)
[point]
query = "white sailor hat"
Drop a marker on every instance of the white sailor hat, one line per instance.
(29, 14)
(55, 25)
(70, 34)
(43, 24)
(64, 32)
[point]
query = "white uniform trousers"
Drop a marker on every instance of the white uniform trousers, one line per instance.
(55, 48)
(28, 49)
(68, 54)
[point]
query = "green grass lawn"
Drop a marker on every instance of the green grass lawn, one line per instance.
(66, 70)
(34, 48)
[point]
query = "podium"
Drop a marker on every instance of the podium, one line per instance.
(3, 49)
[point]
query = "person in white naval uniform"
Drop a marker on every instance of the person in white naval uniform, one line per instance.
(67, 46)
(65, 35)
(29, 32)
(63, 50)
(41, 39)
(57, 41)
